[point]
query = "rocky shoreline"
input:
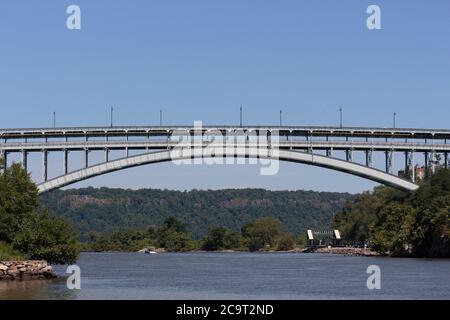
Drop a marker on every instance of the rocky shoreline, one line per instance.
(26, 270)
(347, 251)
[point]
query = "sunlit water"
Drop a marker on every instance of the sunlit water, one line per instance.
(240, 276)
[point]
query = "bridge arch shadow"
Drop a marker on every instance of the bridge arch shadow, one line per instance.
(282, 155)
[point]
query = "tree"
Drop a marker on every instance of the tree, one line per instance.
(214, 239)
(391, 232)
(46, 237)
(261, 233)
(219, 238)
(285, 242)
(355, 219)
(26, 228)
(18, 198)
(399, 224)
(173, 236)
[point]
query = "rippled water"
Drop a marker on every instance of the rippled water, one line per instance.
(240, 276)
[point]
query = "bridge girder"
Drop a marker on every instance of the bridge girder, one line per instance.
(282, 155)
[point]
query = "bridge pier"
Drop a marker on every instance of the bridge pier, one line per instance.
(44, 165)
(409, 165)
(389, 161)
(349, 155)
(106, 154)
(4, 156)
(433, 162)
(66, 161)
(446, 160)
(86, 158)
(369, 162)
(25, 160)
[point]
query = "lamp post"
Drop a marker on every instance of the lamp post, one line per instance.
(240, 116)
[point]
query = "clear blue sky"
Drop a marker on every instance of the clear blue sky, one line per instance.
(200, 60)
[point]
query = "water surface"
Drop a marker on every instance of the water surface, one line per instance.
(240, 276)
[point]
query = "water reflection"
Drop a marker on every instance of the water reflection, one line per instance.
(35, 289)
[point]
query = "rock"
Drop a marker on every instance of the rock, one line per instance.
(47, 269)
(24, 270)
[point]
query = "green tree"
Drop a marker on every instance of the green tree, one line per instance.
(24, 227)
(43, 236)
(18, 198)
(391, 233)
(355, 220)
(261, 233)
(219, 238)
(173, 236)
(285, 242)
(399, 224)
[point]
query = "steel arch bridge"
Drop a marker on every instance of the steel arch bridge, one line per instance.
(298, 144)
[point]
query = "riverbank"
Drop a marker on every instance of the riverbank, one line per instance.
(346, 251)
(26, 270)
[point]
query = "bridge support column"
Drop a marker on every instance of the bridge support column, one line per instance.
(66, 162)
(389, 156)
(409, 165)
(86, 158)
(427, 164)
(106, 154)
(446, 160)
(349, 155)
(167, 140)
(44, 165)
(25, 160)
(329, 152)
(4, 156)
(433, 162)
(369, 162)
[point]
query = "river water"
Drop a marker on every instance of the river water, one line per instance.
(240, 276)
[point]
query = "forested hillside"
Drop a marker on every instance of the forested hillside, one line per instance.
(104, 210)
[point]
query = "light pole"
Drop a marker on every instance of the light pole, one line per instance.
(394, 119)
(160, 117)
(54, 119)
(240, 116)
(340, 117)
(111, 116)
(281, 118)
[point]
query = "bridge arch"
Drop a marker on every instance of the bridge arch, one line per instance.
(283, 155)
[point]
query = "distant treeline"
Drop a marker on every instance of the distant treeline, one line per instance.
(104, 211)
(259, 235)
(399, 223)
